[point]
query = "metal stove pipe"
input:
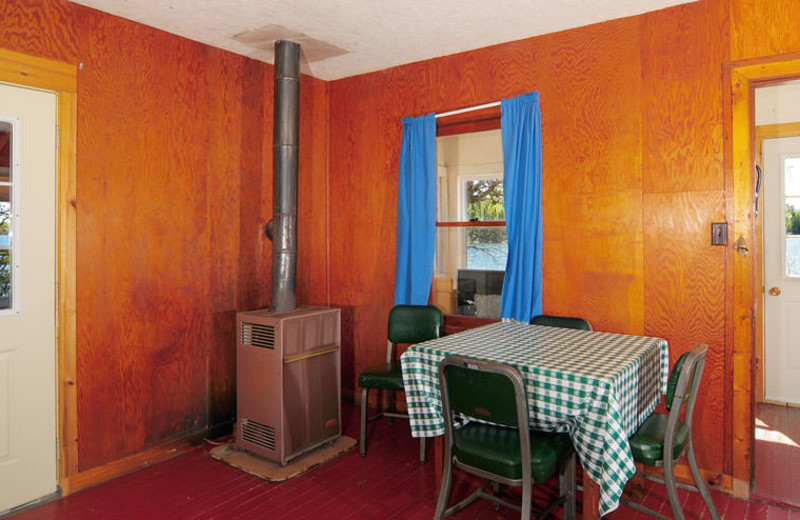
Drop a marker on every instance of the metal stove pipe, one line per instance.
(282, 229)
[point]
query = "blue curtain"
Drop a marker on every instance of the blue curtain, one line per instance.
(416, 211)
(521, 133)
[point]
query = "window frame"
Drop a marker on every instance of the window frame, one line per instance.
(460, 124)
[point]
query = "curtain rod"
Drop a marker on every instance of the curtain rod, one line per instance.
(468, 109)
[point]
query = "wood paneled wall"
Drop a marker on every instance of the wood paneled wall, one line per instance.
(634, 176)
(174, 188)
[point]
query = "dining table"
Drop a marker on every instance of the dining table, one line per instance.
(596, 386)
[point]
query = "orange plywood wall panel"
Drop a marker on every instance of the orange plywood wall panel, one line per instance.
(255, 183)
(362, 217)
(225, 188)
(312, 249)
(761, 28)
(42, 28)
(685, 299)
(682, 99)
(143, 239)
(684, 193)
(591, 89)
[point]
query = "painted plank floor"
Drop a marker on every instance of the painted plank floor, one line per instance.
(388, 484)
(777, 454)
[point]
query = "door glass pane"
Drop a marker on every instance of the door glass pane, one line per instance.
(5, 152)
(5, 215)
(5, 279)
(791, 187)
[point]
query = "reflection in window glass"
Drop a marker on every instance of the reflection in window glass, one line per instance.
(6, 221)
(791, 191)
(477, 267)
(487, 248)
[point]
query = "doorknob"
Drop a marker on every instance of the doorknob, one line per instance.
(775, 291)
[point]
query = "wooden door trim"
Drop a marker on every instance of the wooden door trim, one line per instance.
(61, 78)
(740, 80)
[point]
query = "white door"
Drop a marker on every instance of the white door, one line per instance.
(27, 295)
(782, 269)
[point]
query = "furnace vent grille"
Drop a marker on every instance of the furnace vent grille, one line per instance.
(258, 434)
(258, 335)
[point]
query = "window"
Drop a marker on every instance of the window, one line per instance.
(8, 221)
(791, 192)
(471, 242)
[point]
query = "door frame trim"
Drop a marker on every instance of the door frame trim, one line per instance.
(61, 78)
(740, 80)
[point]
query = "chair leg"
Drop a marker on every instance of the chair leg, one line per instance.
(390, 405)
(566, 482)
(423, 455)
(527, 491)
(672, 492)
(700, 483)
(364, 405)
(444, 490)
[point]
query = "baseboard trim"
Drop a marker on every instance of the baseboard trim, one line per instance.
(716, 481)
(143, 459)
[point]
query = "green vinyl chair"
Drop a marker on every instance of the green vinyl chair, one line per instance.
(407, 324)
(504, 450)
(652, 441)
(565, 322)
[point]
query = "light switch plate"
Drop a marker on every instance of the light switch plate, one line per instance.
(719, 234)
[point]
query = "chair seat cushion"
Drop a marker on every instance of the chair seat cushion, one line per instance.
(648, 441)
(496, 449)
(388, 376)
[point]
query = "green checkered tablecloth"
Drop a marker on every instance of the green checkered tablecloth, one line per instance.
(597, 386)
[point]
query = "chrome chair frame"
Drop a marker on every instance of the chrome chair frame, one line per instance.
(395, 337)
(685, 394)
(566, 473)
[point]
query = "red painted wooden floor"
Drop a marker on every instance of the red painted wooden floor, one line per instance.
(777, 454)
(388, 483)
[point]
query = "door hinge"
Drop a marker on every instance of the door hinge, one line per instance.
(58, 137)
(58, 449)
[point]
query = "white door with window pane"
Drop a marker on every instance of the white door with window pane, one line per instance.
(27, 295)
(782, 269)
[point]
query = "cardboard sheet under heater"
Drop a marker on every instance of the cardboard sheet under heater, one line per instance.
(288, 367)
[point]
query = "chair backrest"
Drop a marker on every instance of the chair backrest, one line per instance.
(565, 322)
(482, 390)
(684, 382)
(490, 392)
(682, 388)
(415, 323)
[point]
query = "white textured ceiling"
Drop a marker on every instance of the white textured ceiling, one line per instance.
(342, 38)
